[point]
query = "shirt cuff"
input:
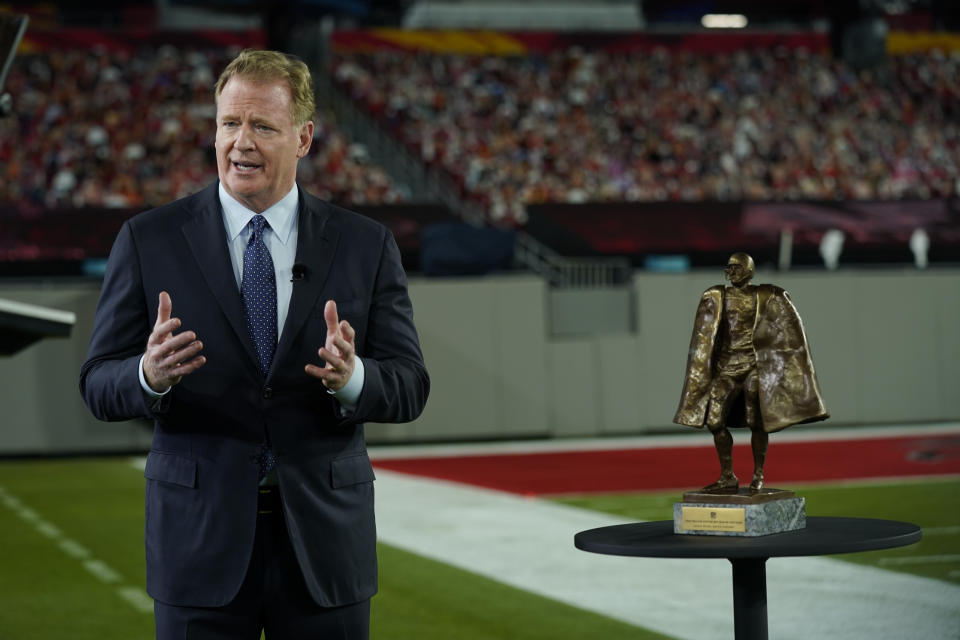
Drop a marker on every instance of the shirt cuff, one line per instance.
(350, 393)
(146, 388)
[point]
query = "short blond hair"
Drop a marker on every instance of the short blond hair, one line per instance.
(270, 66)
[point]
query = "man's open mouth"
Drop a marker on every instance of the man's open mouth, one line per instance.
(245, 167)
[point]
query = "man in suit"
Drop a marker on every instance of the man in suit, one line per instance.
(292, 328)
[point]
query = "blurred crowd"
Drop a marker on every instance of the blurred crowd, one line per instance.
(108, 128)
(592, 125)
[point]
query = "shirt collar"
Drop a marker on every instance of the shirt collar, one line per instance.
(281, 216)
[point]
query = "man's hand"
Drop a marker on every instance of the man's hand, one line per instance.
(170, 357)
(338, 352)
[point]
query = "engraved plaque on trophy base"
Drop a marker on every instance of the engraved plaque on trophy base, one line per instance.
(745, 513)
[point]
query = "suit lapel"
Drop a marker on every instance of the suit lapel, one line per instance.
(317, 241)
(207, 239)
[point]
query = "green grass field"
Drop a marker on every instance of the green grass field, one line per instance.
(71, 535)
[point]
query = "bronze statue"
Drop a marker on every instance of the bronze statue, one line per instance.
(749, 366)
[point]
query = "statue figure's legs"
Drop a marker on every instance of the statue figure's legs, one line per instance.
(759, 439)
(758, 442)
(724, 444)
(722, 392)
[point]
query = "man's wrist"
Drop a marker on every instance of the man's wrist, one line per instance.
(146, 387)
(349, 394)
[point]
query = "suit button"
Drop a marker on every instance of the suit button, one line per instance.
(267, 393)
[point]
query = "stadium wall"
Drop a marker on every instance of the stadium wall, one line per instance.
(884, 343)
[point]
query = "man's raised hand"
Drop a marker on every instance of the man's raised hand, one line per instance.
(169, 357)
(338, 352)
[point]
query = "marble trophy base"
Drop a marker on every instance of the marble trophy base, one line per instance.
(745, 513)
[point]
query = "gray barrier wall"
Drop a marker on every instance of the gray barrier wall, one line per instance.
(885, 344)
(40, 406)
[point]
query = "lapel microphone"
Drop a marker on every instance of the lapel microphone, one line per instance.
(299, 272)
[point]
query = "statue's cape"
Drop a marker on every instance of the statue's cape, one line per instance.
(789, 391)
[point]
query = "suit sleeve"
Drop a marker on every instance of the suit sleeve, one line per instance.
(109, 382)
(396, 383)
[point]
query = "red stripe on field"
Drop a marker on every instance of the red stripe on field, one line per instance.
(676, 467)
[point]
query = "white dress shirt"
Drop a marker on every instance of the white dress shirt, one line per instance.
(281, 239)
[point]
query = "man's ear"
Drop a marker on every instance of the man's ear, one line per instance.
(306, 138)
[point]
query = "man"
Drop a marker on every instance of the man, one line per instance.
(748, 365)
(292, 328)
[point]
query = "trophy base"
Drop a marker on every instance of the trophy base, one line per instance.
(743, 495)
(745, 513)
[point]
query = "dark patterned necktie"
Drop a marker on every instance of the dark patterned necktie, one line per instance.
(259, 291)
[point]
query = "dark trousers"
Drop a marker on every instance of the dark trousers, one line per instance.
(273, 598)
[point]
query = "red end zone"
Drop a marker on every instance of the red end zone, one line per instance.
(678, 467)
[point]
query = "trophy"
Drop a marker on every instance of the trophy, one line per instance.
(749, 365)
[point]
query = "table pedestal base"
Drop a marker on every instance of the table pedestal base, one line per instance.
(749, 598)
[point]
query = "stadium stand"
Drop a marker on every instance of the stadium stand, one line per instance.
(524, 121)
(122, 125)
(594, 144)
(655, 123)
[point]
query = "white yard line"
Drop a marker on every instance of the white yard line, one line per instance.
(102, 571)
(97, 568)
(73, 549)
(137, 598)
(528, 543)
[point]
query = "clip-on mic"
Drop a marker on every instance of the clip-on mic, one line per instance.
(299, 272)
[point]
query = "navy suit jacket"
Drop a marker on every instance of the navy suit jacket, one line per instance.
(201, 472)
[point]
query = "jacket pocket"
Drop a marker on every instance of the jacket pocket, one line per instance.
(351, 470)
(171, 468)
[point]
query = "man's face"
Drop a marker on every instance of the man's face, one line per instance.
(737, 273)
(258, 144)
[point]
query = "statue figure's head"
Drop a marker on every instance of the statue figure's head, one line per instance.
(739, 269)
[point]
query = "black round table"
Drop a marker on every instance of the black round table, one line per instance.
(822, 536)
